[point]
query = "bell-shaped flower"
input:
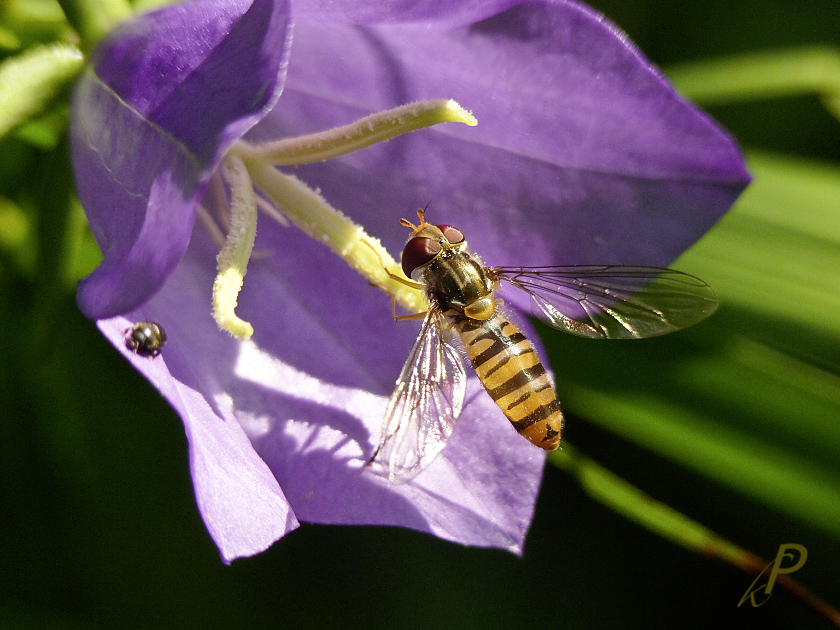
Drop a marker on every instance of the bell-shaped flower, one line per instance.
(583, 155)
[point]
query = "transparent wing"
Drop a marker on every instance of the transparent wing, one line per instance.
(612, 302)
(422, 411)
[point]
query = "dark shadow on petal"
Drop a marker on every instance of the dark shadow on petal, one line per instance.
(327, 480)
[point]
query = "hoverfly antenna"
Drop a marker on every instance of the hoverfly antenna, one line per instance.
(421, 214)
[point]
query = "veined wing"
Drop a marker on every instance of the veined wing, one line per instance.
(612, 302)
(422, 411)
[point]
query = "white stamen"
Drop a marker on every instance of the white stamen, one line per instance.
(296, 202)
(232, 261)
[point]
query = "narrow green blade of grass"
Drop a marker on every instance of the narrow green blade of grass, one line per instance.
(30, 80)
(751, 397)
(771, 74)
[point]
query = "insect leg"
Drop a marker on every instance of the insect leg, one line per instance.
(413, 285)
(392, 276)
(402, 318)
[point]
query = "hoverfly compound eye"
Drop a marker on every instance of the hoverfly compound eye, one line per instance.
(452, 234)
(418, 251)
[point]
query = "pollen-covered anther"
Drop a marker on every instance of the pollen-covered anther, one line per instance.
(232, 261)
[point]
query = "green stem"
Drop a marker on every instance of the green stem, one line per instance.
(626, 499)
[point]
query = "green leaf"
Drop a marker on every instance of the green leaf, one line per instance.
(776, 252)
(94, 19)
(8, 39)
(16, 239)
(46, 131)
(813, 70)
(33, 22)
(724, 416)
(751, 397)
(29, 81)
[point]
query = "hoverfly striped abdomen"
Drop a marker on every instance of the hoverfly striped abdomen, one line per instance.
(511, 371)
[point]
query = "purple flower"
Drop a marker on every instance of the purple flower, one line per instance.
(583, 154)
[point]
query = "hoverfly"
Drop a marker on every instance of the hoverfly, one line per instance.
(599, 302)
(146, 339)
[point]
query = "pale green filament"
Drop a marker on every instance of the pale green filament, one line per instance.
(308, 210)
(378, 127)
(232, 261)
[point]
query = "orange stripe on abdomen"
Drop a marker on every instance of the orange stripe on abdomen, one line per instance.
(511, 372)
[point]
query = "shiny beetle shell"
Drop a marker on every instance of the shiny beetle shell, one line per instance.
(146, 338)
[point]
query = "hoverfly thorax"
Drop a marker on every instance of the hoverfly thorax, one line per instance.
(437, 257)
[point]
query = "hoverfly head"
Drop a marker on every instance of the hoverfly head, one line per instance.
(426, 242)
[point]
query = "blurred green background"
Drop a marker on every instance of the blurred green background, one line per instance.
(735, 423)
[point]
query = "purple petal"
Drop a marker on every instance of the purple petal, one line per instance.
(241, 502)
(379, 11)
(310, 392)
(168, 94)
(583, 154)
